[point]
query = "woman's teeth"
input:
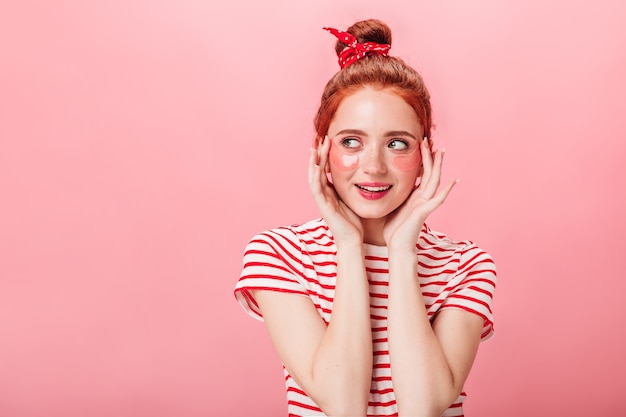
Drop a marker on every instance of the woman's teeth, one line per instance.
(374, 189)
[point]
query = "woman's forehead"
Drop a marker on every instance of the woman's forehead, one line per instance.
(375, 112)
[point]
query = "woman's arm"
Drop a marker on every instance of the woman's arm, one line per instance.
(429, 364)
(332, 364)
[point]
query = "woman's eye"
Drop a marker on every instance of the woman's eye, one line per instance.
(350, 143)
(398, 145)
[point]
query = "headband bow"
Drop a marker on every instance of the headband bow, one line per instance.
(355, 51)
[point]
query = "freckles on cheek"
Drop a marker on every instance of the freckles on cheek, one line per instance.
(343, 161)
(406, 162)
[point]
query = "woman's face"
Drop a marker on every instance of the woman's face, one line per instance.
(375, 151)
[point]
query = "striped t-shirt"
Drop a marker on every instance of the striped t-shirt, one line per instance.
(302, 260)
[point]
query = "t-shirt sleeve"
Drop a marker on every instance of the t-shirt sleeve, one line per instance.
(475, 286)
(272, 261)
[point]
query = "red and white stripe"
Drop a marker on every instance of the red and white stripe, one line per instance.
(302, 260)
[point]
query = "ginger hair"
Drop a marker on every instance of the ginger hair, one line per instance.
(380, 72)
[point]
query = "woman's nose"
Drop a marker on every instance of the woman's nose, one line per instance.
(373, 162)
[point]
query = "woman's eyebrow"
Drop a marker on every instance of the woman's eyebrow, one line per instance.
(388, 134)
(352, 132)
(400, 133)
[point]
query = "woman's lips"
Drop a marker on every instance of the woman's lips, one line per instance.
(373, 191)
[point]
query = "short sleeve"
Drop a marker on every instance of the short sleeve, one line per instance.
(272, 261)
(475, 285)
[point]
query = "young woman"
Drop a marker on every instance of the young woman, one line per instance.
(371, 312)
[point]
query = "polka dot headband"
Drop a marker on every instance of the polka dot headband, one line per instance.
(355, 51)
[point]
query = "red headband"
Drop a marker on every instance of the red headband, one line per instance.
(355, 51)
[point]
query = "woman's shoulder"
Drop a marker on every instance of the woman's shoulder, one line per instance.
(313, 232)
(439, 244)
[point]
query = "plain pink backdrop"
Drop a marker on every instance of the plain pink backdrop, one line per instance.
(143, 143)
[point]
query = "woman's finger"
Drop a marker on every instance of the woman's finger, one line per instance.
(313, 172)
(427, 162)
(321, 189)
(324, 150)
(435, 175)
(441, 196)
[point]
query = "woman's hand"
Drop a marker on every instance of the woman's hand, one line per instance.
(344, 224)
(403, 226)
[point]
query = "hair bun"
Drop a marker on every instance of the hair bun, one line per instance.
(370, 30)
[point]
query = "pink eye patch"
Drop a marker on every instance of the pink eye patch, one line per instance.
(344, 161)
(407, 162)
(341, 160)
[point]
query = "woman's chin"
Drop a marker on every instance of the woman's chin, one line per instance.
(372, 214)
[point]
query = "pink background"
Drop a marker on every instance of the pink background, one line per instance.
(143, 143)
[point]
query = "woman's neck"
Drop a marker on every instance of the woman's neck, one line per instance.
(373, 231)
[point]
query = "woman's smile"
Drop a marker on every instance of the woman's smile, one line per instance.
(373, 191)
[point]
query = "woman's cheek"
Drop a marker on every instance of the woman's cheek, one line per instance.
(408, 162)
(343, 161)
